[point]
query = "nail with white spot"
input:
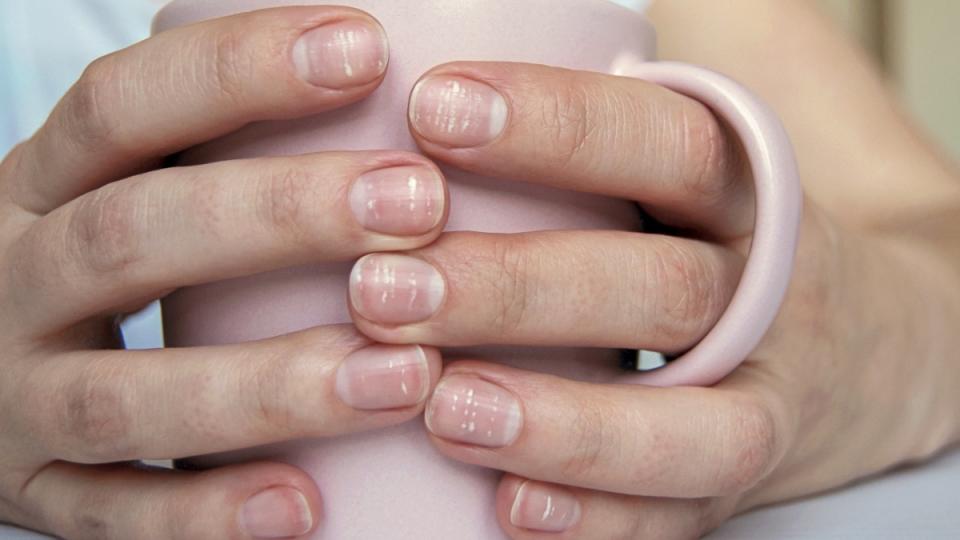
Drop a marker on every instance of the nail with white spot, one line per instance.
(395, 289)
(545, 508)
(400, 201)
(457, 112)
(347, 53)
(384, 377)
(470, 410)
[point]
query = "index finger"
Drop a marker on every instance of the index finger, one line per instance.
(191, 84)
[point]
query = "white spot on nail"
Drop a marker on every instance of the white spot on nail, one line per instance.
(348, 42)
(548, 509)
(412, 184)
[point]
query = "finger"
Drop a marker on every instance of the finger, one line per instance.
(137, 238)
(531, 510)
(569, 288)
(107, 406)
(669, 442)
(192, 84)
(586, 132)
(119, 502)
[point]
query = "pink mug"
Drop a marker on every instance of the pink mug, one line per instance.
(392, 484)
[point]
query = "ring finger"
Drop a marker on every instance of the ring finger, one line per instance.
(108, 406)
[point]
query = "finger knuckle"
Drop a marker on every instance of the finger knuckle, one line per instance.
(707, 155)
(103, 235)
(181, 516)
(753, 445)
(233, 65)
(511, 274)
(567, 119)
(290, 205)
(90, 104)
(272, 391)
(95, 415)
(89, 519)
(27, 396)
(27, 268)
(688, 297)
(590, 438)
(210, 203)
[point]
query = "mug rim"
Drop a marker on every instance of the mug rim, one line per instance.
(159, 22)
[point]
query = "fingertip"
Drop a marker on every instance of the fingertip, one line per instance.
(342, 54)
(528, 510)
(408, 201)
(272, 500)
(396, 378)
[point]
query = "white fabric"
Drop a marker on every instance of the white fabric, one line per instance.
(638, 5)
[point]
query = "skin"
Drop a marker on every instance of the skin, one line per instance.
(857, 375)
(86, 234)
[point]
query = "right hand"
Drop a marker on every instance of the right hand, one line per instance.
(90, 231)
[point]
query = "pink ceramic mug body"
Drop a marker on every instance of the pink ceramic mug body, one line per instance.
(392, 484)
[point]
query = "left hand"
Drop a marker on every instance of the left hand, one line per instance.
(818, 404)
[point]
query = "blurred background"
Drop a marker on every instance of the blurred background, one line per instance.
(917, 43)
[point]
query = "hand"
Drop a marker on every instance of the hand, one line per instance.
(853, 378)
(90, 228)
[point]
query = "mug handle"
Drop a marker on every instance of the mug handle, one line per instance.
(779, 205)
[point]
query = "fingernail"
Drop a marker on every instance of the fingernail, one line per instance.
(473, 411)
(277, 512)
(544, 508)
(384, 377)
(343, 54)
(399, 200)
(395, 289)
(455, 111)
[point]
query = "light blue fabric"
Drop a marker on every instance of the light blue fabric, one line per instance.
(44, 46)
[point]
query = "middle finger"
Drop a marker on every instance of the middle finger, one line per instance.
(133, 240)
(553, 288)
